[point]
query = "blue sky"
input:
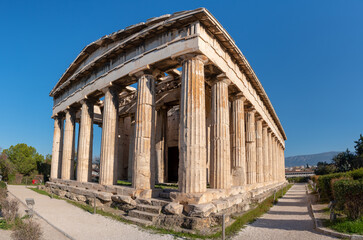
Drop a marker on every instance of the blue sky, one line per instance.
(307, 55)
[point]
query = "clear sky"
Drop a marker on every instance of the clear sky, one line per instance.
(307, 55)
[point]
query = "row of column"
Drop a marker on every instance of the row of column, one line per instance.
(257, 155)
(64, 140)
(246, 152)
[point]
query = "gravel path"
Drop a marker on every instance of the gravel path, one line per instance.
(79, 224)
(288, 219)
(5, 234)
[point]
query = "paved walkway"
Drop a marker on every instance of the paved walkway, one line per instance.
(288, 219)
(79, 224)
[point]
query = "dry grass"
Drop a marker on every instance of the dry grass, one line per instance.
(27, 230)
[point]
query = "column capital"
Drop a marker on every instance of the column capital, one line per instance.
(88, 100)
(222, 78)
(58, 115)
(191, 56)
(112, 88)
(251, 109)
(258, 117)
(70, 109)
(237, 96)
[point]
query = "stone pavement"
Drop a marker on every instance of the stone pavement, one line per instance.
(288, 219)
(79, 224)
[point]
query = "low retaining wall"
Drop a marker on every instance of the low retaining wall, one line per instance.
(157, 212)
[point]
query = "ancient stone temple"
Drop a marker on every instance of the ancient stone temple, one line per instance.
(198, 118)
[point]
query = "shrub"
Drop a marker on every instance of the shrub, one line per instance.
(3, 195)
(324, 186)
(3, 185)
(349, 193)
(356, 174)
(315, 178)
(9, 210)
(27, 230)
(298, 179)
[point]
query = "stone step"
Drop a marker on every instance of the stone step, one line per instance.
(165, 195)
(149, 208)
(138, 221)
(143, 215)
(159, 202)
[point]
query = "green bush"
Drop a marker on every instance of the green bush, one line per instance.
(324, 181)
(298, 179)
(324, 186)
(2, 184)
(356, 174)
(348, 195)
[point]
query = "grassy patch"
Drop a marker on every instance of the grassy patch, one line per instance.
(234, 228)
(166, 186)
(162, 186)
(44, 193)
(4, 225)
(345, 225)
(124, 183)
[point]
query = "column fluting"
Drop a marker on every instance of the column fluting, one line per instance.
(85, 142)
(144, 171)
(220, 176)
(108, 160)
(57, 148)
(68, 145)
(251, 146)
(238, 142)
(265, 154)
(192, 132)
(259, 152)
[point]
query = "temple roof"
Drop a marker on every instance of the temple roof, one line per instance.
(173, 20)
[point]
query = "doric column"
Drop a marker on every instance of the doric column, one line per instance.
(85, 142)
(192, 132)
(131, 150)
(275, 157)
(283, 162)
(259, 152)
(108, 161)
(238, 142)
(251, 146)
(144, 133)
(160, 141)
(265, 154)
(220, 176)
(68, 145)
(57, 148)
(270, 169)
(124, 132)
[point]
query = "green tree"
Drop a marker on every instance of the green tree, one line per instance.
(324, 168)
(44, 167)
(359, 146)
(343, 161)
(24, 158)
(6, 167)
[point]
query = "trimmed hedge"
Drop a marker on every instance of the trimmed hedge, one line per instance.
(348, 195)
(324, 185)
(356, 174)
(325, 181)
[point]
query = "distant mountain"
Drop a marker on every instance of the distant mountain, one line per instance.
(311, 159)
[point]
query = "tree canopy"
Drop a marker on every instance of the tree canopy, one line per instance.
(344, 161)
(24, 158)
(359, 146)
